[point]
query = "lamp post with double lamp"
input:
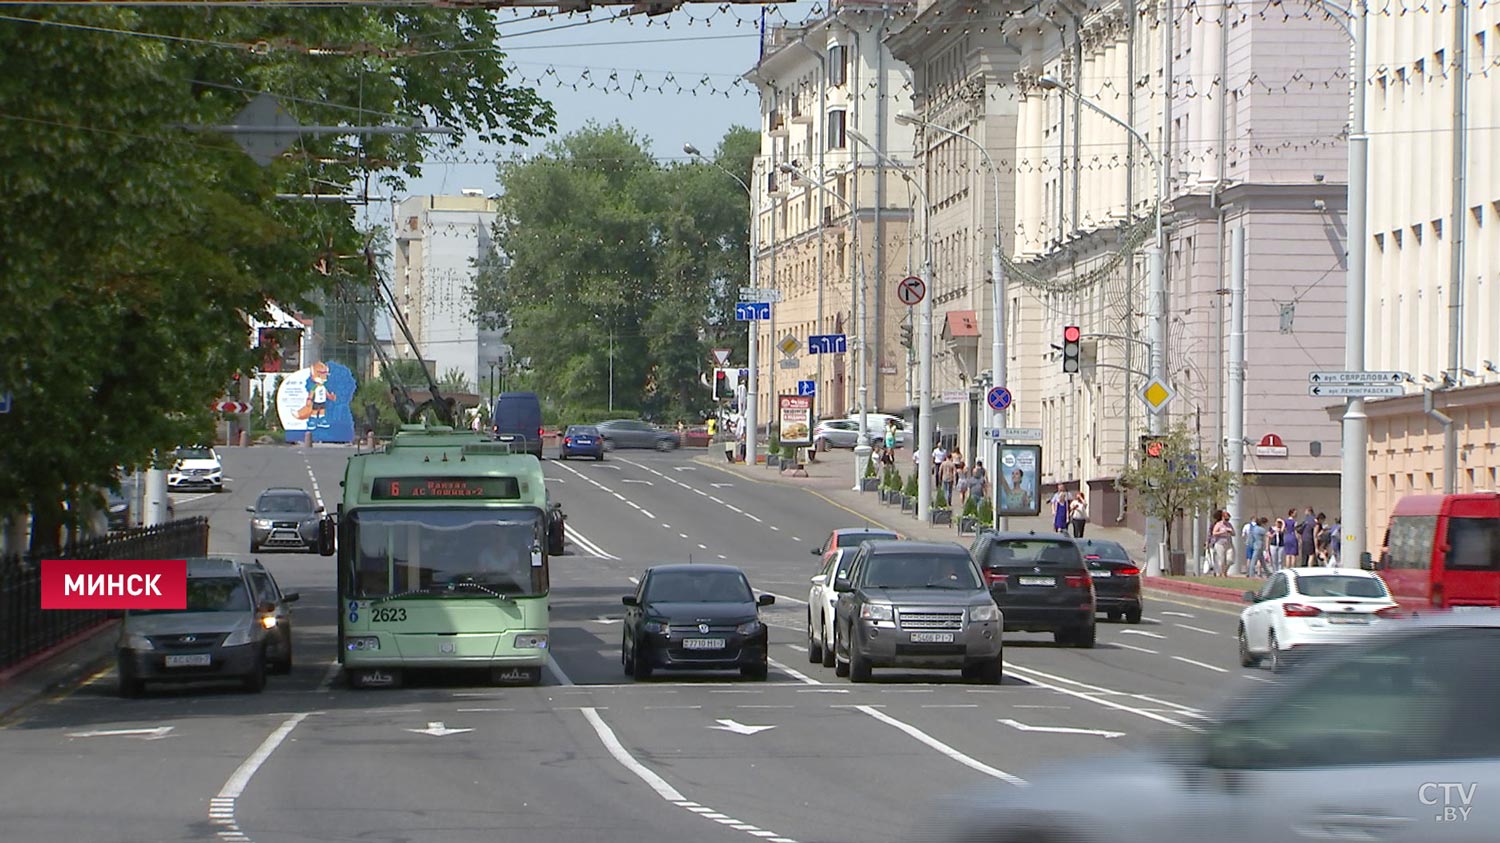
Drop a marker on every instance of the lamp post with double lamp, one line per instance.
(1157, 305)
(862, 445)
(752, 389)
(923, 444)
(997, 296)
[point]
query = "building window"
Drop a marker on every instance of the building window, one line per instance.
(838, 65)
(836, 128)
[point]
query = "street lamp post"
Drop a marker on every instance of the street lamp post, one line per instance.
(862, 446)
(997, 303)
(1157, 298)
(752, 390)
(922, 446)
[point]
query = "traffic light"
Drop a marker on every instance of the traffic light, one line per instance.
(905, 335)
(1070, 350)
(721, 384)
(1154, 447)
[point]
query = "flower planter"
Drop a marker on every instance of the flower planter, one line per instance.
(908, 503)
(941, 516)
(773, 460)
(869, 484)
(968, 524)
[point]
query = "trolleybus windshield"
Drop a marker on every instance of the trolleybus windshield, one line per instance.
(463, 553)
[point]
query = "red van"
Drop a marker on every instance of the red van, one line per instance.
(1443, 551)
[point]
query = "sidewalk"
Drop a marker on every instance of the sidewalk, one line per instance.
(831, 477)
(56, 669)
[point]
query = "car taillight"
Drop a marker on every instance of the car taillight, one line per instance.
(994, 577)
(541, 431)
(1077, 580)
(1299, 610)
(1390, 612)
(568, 440)
(1093, 557)
(1128, 572)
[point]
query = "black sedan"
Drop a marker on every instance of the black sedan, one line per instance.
(1117, 580)
(694, 617)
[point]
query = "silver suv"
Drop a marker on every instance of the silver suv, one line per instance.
(916, 604)
(236, 624)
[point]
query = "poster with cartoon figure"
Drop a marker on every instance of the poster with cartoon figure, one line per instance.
(317, 399)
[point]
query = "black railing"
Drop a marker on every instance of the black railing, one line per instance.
(25, 629)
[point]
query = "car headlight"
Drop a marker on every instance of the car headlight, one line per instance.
(987, 612)
(137, 641)
(877, 612)
(748, 628)
(238, 638)
(364, 642)
(657, 627)
(268, 621)
(263, 523)
(531, 642)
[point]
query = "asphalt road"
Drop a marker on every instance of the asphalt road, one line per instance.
(591, 755)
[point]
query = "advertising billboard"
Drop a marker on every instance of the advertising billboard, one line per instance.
(1018, 480)
(794, 419)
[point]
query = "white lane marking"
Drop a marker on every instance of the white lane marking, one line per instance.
(1258, 678)
(684, 535)
(665, 790)
(647, 513)
(722, 556)
(1061, 730)
(796, 538)
(1196, 629)
(754, 518)
(635, 580)
(787, 598)
(795, 674)
(329, 675)
(148, 734)
(1031, 676)
(1142, 632)
(776, 528)
(665, 524)
(618, 495)
(221, 808)
(950, 705)
(557, 671)
(1133, 647)
(798, 647)
(938, 745)
(703, 547)
(732, 507)
(1200, 664)
(588, 545)
(1178, 614)
(647, 482)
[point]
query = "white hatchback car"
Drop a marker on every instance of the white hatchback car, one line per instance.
(821, 602)
(1301, 609)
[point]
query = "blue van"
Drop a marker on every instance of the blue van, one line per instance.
(518, 420)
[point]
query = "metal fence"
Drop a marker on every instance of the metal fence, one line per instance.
(25, 629)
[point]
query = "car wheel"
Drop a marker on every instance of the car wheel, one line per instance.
(814, 647)
(254, 548)
(1062, 636)
(1085, 637)
(129, 686)
(599, 457)
(1114, 616)
(255, 681)
(758, 672)
(989, 672)
(640, 667)
(840, 667)
(562, 455)
(828, 660)
(663, 445)
(1278, 662)
(1247, 658)
(1133, 615)
(625, 655)
(860, 669)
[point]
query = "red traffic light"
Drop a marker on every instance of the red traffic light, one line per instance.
(1071, 333)
(1155, 448)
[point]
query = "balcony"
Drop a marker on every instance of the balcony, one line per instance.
(776, 124)
(800, 115)
(774, 186)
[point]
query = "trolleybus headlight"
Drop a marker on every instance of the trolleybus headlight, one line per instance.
(362, 643)
(531, 642)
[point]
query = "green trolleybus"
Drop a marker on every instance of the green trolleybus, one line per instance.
(442, 559)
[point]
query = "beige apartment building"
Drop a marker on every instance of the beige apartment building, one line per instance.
(1434, 251)
(838, 231)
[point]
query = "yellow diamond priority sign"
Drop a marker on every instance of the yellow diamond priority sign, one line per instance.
(1157, 395)
(789, 345)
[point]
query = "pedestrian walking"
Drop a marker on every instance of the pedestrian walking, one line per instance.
(1078, 514)
(1221, 549)
(1059, 505)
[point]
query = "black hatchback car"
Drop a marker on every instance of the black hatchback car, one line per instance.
(1117, 579)
(694, 617)
(1040, 582)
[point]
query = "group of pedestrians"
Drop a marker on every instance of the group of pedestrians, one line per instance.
(959, 480)
(1273, 544)
(1069, 511)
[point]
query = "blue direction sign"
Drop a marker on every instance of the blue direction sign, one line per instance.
(998, 398)
(827, 344)
(5, 401)
(751, 311)
(807, 387)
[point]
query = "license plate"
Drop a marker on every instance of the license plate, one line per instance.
(203, 660)
(1470, 608)
(1348, 618)
(703, 644)
(932, 638)
(1099, 575)
(1038, 580)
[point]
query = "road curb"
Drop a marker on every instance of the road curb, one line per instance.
(56, 669)
(1192, 589)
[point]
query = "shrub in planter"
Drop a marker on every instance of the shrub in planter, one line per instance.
(941, 513)
(986, 513)
(968, 520)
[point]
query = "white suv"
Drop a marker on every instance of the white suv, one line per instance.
(196, 468)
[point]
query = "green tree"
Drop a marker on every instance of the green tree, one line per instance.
(1177, 481)
(135, 250)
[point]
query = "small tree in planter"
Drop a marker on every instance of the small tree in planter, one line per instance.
(941, 513)
(891, 485)
(773, 450)
(986, 513)
(869, 482)
(909, 493)
(968, 520)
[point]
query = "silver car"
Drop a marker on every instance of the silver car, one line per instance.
(1394, 739)
(284, 518)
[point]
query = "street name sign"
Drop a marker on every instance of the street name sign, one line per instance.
(1355, 390)
(1355, 377)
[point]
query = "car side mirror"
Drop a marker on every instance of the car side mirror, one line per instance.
(765, 600)
(842, 585)
(319, 509)
(820, 579)
(1252, 597)
(1367, 562)
(630, 600)
(291, 597)
(817, 553)
(249, 509)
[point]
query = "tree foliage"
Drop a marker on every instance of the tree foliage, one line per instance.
(135, 249)
(1178, 482)
(609, 259)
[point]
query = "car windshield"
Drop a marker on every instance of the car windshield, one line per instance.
(581, 430)
(698, 587)
(284, 503)
(1337, 585)
(853, 539)
(901, 571)
(210, 594)
(1105, 550)
(1033, 552)
(463, 553)
(194, 454)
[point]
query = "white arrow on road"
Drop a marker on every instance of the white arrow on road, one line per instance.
(608, 620)
(1141, 632)
(1179, 614)
(647, 482)
(438, 730)
(739, 728)
(149, 734)
(720, 485)
(685, 468)
(1062, 730)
